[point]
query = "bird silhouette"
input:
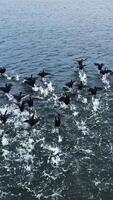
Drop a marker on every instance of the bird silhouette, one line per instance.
(65, 98)
(6, 88)
(32, 121)
(2, 70)
(43, 73)
(4, 117)
(57, 121)
(19, 96)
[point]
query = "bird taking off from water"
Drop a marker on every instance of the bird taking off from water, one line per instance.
(43, 73)
(4, 117)
(6, 88)
(32, 121)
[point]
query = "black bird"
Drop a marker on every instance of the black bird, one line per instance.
(99, 65)
(106, 71)
(2, 70)
(29, 102)
(21, 106)
(32, 121)
(57, 121)
(65, 98)
(4, 117)
(30, 80)
(80, 85)
(6, 88)
(94, 90)
(19, 96)
(80, 63)
(43, 73)
(70, 84)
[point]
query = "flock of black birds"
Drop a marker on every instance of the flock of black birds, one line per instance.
(22, 100)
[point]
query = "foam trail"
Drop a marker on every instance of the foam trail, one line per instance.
(55, 98)
(17, 78)
(73, 108)
(83, 99)
(83, 77)
(50, 87)
(59, 139)
(95, 103)
(105, 81)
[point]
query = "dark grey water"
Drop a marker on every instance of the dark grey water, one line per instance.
(75, 163)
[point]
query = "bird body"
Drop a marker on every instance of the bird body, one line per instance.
(105, 71)
(94, 90)
(65, 98)
(99, 65)
(80, 85)
(29, 102)
(6, 88)
(4, 117)
(43, 74)
(80, 63)
(2, 70)
(30, 81)
(32, 121)
(21, 106)
(18, 97)
(57, 121)
(70, 84)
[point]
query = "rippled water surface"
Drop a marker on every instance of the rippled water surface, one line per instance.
(76, 161)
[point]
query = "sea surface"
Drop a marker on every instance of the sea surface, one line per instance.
(41, 162)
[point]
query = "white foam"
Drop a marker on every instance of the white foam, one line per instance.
(82, 126)
(17, 78)
(5, 153)
(4, 140)
(63, 105)
(50, 87)
(75, 113)
(35, 88)
(83, 77)
(8, 77)
(55, 150)
(95, 103)
(105, 81)
(55, 160)
(1, 132)
(59, 138)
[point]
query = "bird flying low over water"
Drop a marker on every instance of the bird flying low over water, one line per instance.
(65, 98)
(29, 101)
(6, 88)
(70, 84)
(99, 65)
(106, 71)
(57, 121)
(21, 106)
(30, 80)
(80, 85)
(103, 71)
(80, 63)
(94, 90)
(32, 121)
(19, 96)
(43, 73)
(2, 70)
(4, 117)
